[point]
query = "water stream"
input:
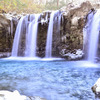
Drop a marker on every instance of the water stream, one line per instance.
(17, 38)
(31, 41)
(53, 80)
(55, 16)
(25, 40)
(92, 32)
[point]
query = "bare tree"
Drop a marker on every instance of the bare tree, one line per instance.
(57, 3)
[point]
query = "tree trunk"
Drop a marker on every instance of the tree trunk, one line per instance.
(57, 3)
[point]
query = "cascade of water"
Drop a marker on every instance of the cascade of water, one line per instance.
(25, 40)
(94, 35)
(32, 36)
(26, 31)
(53, 16)
(17, 38)
(49, 37)
(87, 31)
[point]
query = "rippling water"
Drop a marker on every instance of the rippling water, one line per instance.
(53, 80)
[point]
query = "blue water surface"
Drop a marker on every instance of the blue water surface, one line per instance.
(53, 80)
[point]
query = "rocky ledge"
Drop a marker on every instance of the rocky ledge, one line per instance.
(7, 95)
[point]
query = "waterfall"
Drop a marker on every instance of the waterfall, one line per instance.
(26, 31)
(94, 35)
(25, 40)
(17, 38)
(31, 43)
(53, 17)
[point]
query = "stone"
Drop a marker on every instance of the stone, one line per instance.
(77, 10)
(4, 21)
(36, 98)
(74, 21)
(77, 54)
(96, 87)
(7, 95)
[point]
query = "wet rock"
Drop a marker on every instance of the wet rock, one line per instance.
(7, 95)
(4, 22)
(74, 21)
(5, 38)
(72, 28)
(8, 24)
(5, 54)
(96, 87)
(76, 55)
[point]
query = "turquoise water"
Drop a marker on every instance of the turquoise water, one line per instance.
(53, 80)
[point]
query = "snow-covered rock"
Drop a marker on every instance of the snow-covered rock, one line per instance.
(78, 54)
(7, 95)
(96, 87)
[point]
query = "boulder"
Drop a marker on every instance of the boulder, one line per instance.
(7, 95)
(76, 55)
(96, 87)
(74, 21)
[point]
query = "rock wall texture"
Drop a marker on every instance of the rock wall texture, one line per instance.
(8, 23)
(5, 40)
(74, 21)
(67, 42)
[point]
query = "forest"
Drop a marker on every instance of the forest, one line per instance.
(35, 6)
(31, 6)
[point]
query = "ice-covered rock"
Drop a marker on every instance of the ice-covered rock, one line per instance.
(7, 95)
(96, 87)
(78, 54)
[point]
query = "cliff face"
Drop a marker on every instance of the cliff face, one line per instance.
(72, 28)
(5, 42)
(6, 33)
(71, 31)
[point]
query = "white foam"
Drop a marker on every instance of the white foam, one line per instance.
(51, 59)
(32, 58)
(22, 58)
(88, 64)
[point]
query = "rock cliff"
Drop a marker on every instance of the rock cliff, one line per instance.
(70, 40)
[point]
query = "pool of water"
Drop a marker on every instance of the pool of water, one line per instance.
(53, 80)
